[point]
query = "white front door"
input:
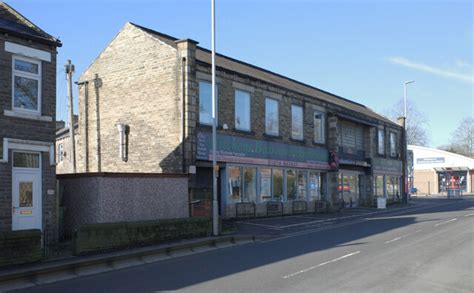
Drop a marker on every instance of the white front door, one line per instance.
(26, 191)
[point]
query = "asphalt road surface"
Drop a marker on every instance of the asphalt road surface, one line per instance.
(429, 249)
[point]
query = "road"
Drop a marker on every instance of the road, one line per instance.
(429, 249)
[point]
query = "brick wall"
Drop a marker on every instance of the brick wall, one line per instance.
(20, 247)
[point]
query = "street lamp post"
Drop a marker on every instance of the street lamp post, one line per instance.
(405, 141)
(215, 215)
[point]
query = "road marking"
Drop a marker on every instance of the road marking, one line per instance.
(445, 222)
(320, 265)
(260, 225)
(401, 237)
(472, 214)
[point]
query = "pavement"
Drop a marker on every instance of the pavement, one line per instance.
(426, 246)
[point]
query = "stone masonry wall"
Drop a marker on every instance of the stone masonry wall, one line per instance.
(136, 81)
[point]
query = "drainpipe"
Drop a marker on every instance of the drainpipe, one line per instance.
(183, 114)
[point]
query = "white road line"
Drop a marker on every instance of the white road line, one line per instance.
(445, 222)
(401, 237)
(472, 214)
(320, 265)
(260, 225)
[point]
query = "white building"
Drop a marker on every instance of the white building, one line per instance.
(436, 170)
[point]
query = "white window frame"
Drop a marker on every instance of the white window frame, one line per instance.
(20, 73)
(293, 106)
(267, 131)
(322, 127)
(249, 112)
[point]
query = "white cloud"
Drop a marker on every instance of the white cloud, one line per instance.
(433, 70)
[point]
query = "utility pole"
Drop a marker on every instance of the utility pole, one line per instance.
(215, 214)
(69, 71)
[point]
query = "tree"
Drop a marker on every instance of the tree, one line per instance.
(463, 138)
(417, 133)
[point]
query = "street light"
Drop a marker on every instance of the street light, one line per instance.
(405, 142)
(405, 97)
(215, 223)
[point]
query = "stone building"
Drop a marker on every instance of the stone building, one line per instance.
(145, 107)
(27, 123)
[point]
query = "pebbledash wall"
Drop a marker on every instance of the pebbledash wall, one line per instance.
(324, 148)
(117, 197)
(25, 130)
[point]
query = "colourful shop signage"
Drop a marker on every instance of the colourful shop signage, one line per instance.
(234, 149)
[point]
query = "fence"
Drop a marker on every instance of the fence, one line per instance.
(58, 243)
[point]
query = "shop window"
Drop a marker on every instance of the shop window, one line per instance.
(381, 142)
(378, 186)
(319, 127)
(393, 144)
(235, 186)
(205, 102)
(250, 184)
(265, 184)
(296, 122)
(301, 185)
(242, 110)
(26, 75)
(271, 117)
(314, 186)
(291, 189)
(277, 183)
(390, 187)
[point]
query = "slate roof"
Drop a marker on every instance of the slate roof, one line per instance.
(228, 63)
(16, 24)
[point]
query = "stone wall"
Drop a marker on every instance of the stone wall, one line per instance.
(106, 197)
(135, 81)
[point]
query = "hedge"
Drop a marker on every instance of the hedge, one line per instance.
(108, 236)
(19, 247)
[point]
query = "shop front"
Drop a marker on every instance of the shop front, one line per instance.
(387, 179)
(258, 176)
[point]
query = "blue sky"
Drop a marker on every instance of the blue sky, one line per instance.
(361, 50)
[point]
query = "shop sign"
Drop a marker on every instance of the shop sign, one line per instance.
(386, 166)
(236, 149)
(432, 160)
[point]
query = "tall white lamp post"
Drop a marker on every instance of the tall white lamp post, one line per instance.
(405, 142)
(215, 215)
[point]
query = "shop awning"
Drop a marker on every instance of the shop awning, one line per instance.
(447, 169)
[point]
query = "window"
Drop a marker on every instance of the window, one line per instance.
(378, 186)
(26, 160)
(296, 122)
(271, 117)
(265, 184)
(319, 127)
(314, 186)
(291, 188)
(60, 153)
(277, 175)
(235, 187)
(381, 142)
(26, 75)
(250, 184)
(205, 102)
(242, 110)
(301, 185)
(393, 144)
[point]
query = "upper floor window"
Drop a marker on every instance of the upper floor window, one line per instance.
(205, 102)
(381, 142)
(296, 122)
(319, 126)
(242, 110)
(271, 116)
(26, 75)
(393, 144)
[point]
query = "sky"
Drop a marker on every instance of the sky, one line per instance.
(361, 50)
